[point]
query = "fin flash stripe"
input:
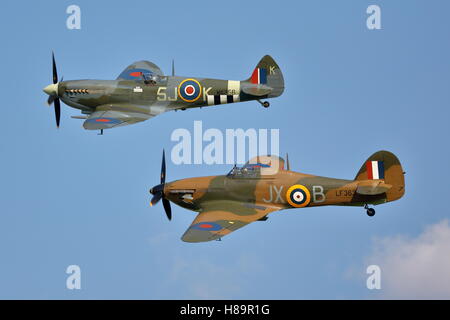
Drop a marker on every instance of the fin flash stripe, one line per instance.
(259, 76)
(375, 170)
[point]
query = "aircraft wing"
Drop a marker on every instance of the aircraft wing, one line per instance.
(135, 70)
(111, 116)
(372, 187)
(219, 218)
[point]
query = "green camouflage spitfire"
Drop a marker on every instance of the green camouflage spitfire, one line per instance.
(141, 92)
(263, 185)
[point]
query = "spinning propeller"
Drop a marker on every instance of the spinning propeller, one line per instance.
(158, 190)
(52, 91)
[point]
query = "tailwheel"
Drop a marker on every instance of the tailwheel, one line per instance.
(370, 211)
(265, 104)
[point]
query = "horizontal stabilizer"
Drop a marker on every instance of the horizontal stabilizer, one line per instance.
(372, 187)
(257, 90)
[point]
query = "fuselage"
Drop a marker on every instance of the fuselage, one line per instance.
(272, 191)
(141, 92)
(87, 95)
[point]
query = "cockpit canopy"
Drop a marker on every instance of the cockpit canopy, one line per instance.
(145, 71)
(258, 166)
(244, 172)
(151, 78)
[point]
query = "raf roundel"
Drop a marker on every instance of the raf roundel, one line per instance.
(298, 196)
(189, 90)
(207, 226)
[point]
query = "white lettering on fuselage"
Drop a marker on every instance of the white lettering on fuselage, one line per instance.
(161, 94)
(318, 195)
(277, 191)
(275, 194)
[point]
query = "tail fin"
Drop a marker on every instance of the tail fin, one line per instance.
(384, 165)
(267, 72)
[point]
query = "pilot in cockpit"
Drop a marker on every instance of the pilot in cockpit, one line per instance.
(151, 78)
(257, 167)
(246, 171)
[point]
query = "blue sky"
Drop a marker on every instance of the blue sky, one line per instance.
(69, 196)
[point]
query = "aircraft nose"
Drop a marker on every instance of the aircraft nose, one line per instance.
(51, 89)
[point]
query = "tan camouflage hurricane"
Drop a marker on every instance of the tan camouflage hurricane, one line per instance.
(266, 184)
